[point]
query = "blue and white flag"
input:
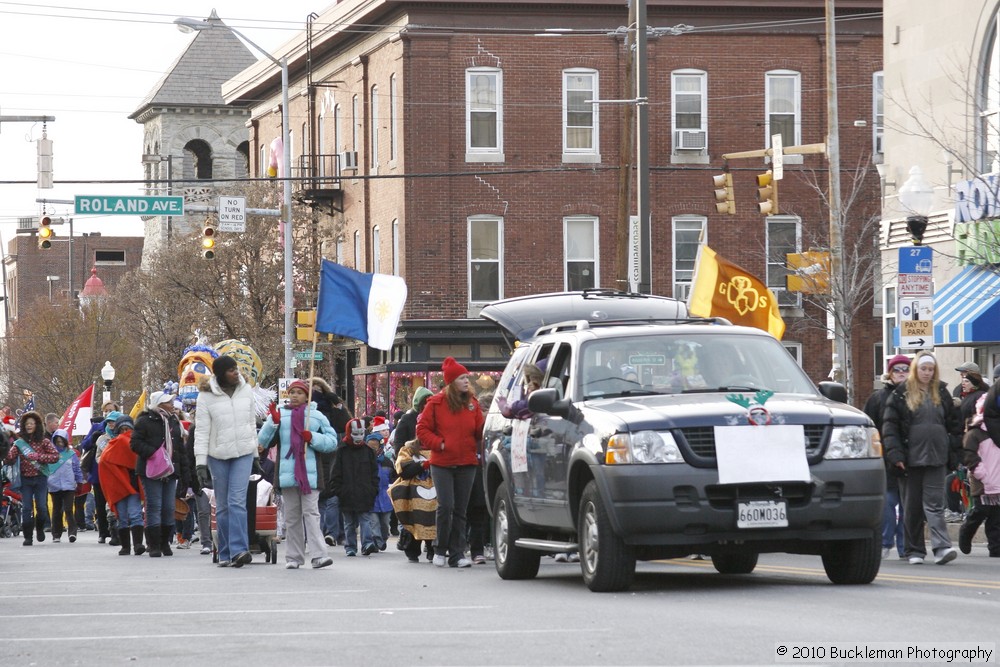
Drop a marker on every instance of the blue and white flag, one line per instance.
(363, 306)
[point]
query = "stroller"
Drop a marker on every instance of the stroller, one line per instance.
(10, 507)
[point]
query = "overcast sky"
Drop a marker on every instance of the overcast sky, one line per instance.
(90, 67)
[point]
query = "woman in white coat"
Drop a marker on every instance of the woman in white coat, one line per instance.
(225, 442)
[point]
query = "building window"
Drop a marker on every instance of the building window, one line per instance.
(340, 250)
(374, 108)
(395, 247)
(197, 160)
(318, 162)
(485, 258)
(688, 233)
(889, 325)
(782, 238)
(484, 112)
(989, 113)
(581, 250)
(878, 115)
(580, 117)
(689, 91)
(354, 123)
(376, 250)
(357, 252)
(262, 161)
(393, 118)
(109, 257)
(782, 101)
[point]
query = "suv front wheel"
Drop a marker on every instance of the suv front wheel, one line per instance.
(853, 561)
(608, 563)
(512, 562)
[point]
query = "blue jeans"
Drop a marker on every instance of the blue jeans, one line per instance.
(381, 521)
(892, 528)
(129, 511)
(34, 491)
(329, 518)
(159, 501)
(352, 520)
(230, 479)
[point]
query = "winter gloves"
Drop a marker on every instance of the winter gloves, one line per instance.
(204, 476)
(275, 415)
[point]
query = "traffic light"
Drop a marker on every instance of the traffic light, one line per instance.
(45, 233)
(208, 240)
(725, 201)
(767, 192)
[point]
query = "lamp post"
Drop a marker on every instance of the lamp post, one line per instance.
(108, 375)
(192, 25)
(916, 196)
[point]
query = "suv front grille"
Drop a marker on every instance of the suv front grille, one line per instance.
(701, 441)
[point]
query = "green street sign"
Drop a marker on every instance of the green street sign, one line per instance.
(309, 356)
(115, 205)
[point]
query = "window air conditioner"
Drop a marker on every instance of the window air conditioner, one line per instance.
(690, 140)
(349, 160)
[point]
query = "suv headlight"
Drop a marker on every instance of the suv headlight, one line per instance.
(643, 447)
(854, 442)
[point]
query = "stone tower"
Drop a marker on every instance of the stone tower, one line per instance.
(190, 134)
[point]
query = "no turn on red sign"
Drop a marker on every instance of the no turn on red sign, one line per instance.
(232, 214)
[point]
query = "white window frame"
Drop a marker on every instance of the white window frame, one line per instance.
(593, 153)
(393, 118)
(262, 161)
(319, 164)
(878, 113)
(472, 222)
(354, 123)
(988, 141)
(786, 299)
(889, 322)
(769, 78)
(376, 250)
(794, 350)
(373, 159)
(483, 153)
(357, 251)
(340, 250)
(681, 287)
(395, 247)
(675, 93)
(595, 259)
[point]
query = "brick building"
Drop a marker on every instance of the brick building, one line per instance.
(34, 275)
(457, 145)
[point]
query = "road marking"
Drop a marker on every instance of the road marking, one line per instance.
(32, 596)
(818, 572)
(233, 612)
(423, 632)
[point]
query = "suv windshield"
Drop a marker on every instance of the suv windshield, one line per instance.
(671, 363)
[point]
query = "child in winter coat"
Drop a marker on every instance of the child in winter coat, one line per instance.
(382, 509)
(64, 475)
(415, 500)
(355, 482)
(120, 483)
(982, 458)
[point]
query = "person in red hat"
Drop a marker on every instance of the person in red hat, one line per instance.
(451, 427)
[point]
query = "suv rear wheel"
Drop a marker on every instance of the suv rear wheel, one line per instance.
(853, 561)
(512, 562)
(608, 563)
(742, 563)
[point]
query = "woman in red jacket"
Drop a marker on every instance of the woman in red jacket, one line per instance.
(451, 427)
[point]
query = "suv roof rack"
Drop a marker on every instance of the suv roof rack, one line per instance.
(583, 325)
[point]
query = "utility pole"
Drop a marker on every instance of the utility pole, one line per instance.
(642, 149)
(842, 365)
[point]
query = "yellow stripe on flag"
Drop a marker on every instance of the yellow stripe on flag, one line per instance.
(723, 289)
(140, 405)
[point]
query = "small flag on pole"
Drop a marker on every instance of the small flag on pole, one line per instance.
(363, 306)
(140, 405)
(723, 289)
(76, 419)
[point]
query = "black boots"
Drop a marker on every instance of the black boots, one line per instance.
(123, 537)
(166, 532)
(26, 528)
(40, 531)
(153, 541)
(137, 545)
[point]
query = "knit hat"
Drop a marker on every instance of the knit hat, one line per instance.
(297, 384)
(380, 424)
(420, 397)
(355, 432)
(453, 370)
(123, 422)
(896, 361)
(221, 365)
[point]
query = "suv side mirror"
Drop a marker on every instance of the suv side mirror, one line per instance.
(546, 401)
(834, 391)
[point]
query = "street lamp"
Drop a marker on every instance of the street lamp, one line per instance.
(51, 279)
(108, 375)
(188, 25)
(916, 196)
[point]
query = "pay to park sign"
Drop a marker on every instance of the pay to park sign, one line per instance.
(116, 205)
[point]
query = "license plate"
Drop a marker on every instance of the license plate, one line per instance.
(761, 514)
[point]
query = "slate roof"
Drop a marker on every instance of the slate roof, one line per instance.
(195, 79)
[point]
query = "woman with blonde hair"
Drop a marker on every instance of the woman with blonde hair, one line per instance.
(921, 431)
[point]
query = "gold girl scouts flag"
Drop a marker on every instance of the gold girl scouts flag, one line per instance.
(722, 289)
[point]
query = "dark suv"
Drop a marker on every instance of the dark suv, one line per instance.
(648, 434)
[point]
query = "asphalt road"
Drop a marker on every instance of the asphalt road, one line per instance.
(82, 604)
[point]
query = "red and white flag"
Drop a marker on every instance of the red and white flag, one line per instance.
(76, 419)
